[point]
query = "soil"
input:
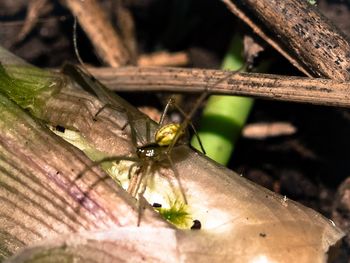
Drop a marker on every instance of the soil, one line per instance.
(308, 166)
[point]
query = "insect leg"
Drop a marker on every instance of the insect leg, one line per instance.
(137, 181)
(104, 160)
(192, 126)
(165, 111)
(189, 116)
(177, 177)
(141, 200)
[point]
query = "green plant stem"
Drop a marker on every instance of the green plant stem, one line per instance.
(224, 116)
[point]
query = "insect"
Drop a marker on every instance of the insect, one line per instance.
(148, 155)
(152, 149)
(153, 145)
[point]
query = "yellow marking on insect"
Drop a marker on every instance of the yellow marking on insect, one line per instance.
(166, 134)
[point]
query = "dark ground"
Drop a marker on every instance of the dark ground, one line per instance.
(307, 166)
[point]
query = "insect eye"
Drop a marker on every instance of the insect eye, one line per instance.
(166, 134)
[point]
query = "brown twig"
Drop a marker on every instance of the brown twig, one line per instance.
(258, 30)
(309, 37)
(163, 58)
(35, 9)
(126, 28)
(298, 89)
(263, 130)
(93, 20)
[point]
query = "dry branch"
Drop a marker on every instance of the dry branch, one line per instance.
(35, 9)
(95, 23)
(299, 89)
(163, 58)
(302, 32)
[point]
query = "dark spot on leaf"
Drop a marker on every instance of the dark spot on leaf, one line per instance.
(262, 234)
(196, 225)
(60, 128)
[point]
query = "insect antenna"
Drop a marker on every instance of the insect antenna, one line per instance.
(75, 44)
